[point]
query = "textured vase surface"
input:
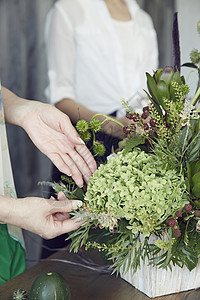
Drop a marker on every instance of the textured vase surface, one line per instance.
(155, 282)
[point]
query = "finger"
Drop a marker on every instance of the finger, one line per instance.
(70, 132)
(75, 172)
(71, 225)
(61, 216)
(67, 166)
(81, 165)
(59, 163)
(88, 157)
(64, 205)
(61, 196)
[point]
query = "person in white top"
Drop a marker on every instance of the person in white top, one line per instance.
(98, 53)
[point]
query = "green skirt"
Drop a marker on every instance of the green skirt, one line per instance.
(12, 256)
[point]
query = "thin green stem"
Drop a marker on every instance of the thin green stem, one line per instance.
(190, 75)
(194, 100)
(184, 142)
(108, 119)
(189, 145)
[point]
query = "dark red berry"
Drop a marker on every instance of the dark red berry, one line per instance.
(167, 125)
(152, 105)
(146, 108)
(171, 222)
(197, 213)
(135, 117)
(152, 123)
(132, 127)
(179, 213)
(145, 115)
(145, 126)
(125, 129)
(177, 232)
(128, 115)
(188, 207)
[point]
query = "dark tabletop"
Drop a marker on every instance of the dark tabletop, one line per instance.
(85, 284)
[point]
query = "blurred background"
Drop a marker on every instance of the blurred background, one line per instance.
(23, 70)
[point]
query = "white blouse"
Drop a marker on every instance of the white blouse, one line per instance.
(92, 61)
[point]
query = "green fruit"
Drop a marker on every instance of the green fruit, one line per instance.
(50, 286)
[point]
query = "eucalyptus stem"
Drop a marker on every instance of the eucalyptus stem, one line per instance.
(107, 118)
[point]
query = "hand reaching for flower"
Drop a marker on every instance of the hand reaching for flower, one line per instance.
(52, 132)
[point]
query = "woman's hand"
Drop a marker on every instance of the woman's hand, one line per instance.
(45, 217)
(52, 132)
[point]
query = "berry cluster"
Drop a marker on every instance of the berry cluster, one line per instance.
(179, 217)
(142, 124)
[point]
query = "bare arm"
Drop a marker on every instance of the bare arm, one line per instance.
(77, 112)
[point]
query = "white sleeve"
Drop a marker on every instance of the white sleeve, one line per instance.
(60, 55)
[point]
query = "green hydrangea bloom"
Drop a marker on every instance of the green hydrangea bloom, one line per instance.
(138, 187)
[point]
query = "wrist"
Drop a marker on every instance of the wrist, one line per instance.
(19, 111)
(7, 209)
(16, 109)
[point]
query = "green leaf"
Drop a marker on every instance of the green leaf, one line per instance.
(193, 150)
(172, 93)
(157, 75)
(190, 65)
(195, 166)
(78, 193)
(196, 190)
(189, 258)
(195, 179)
(133, 142)
(197, 129)
(155, 103)
(177, 78)
(188, 167)
(162, 92)
(152, 87)
(197, 204)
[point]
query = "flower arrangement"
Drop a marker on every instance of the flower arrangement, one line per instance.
(151, 186)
